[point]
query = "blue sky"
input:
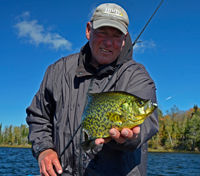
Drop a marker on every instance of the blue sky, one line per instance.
(35, 34)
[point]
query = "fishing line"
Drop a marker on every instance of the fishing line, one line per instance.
(179, 92)
(112, 76)
(132, 46)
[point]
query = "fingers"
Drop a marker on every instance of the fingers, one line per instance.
(46, 169)
(136, 130)
(125, 133)
(120, 137)
(57, 165)
(131, 133)
(47, 160)
(102, 140)
(115, 134)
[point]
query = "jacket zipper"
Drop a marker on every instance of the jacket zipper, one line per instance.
(80, 151)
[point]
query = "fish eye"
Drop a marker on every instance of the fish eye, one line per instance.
(140, 103)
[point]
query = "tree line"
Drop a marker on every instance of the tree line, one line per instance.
(177, 130)
(14, 135)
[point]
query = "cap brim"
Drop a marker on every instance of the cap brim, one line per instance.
(111, 23)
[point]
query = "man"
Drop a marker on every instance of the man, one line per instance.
(57, 108)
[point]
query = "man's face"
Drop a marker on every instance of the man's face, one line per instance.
(106, 44)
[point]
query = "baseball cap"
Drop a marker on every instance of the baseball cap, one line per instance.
(110, 14)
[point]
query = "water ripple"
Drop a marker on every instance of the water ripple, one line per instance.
(19, 161)
(173, 164)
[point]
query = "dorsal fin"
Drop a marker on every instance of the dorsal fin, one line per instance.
(90, 96)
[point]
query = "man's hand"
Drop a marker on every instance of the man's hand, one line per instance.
(47, 159)
(120, 137)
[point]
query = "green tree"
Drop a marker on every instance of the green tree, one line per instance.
(6, 135)
(155, 141)
(24, 133)
(17, 135)
(167, 131)
(194, 130)
(175, 133)
(182, 128)
(10, 140)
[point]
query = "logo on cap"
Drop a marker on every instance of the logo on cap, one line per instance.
(113, 11)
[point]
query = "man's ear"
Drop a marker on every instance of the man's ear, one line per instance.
(123, 43)
(88, 30)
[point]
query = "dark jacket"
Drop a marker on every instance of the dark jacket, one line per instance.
(57, 108)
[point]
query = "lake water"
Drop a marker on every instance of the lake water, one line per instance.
(187, 164)
(17, 161)
(20, 162)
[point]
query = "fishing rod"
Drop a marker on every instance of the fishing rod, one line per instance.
(132, 45)
(113, 75)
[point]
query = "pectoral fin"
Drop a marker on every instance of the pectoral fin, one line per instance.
(88, 144)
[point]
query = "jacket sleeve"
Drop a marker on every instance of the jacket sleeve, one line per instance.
(141, 85)
(40, 116)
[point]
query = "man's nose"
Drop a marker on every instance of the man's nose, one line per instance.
(108, 41)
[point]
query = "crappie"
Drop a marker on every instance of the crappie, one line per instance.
(112, 110)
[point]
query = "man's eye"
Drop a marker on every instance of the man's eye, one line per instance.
(102, 33)
(117, 36)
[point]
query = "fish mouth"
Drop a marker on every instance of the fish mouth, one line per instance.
(155, 104)
(150, 107)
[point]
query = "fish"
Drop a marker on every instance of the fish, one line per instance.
(108, 110)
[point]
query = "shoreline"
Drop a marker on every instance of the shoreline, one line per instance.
(149, 150)
(15, 146)
(171, 151)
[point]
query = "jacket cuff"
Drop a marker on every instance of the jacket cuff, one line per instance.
(40, 147)
(129, 145)
(92, 152)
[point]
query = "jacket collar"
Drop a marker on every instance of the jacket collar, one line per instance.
(86, 69)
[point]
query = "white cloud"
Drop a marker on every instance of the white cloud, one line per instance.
(140, 47)
(36, 34)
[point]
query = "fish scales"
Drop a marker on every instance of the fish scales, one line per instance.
(113, 110)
